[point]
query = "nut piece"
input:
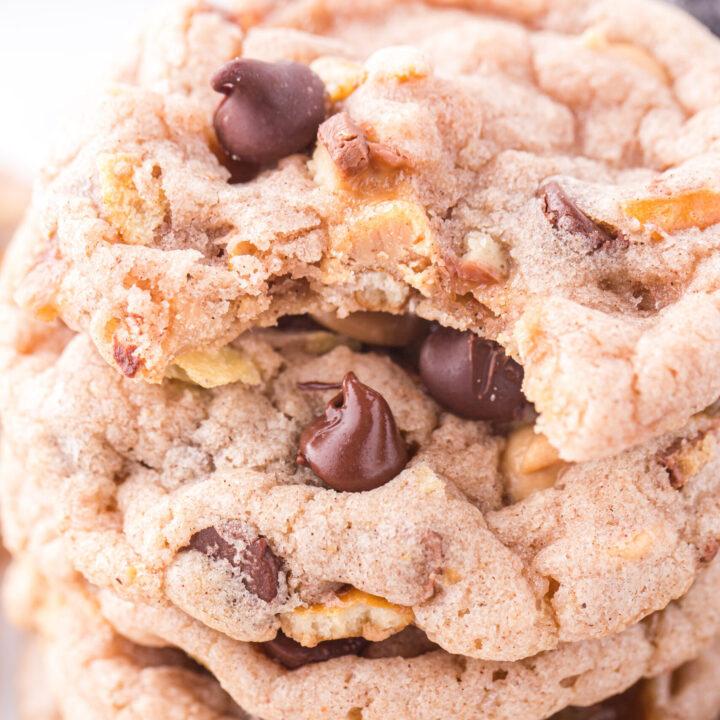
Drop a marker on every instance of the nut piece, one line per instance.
(210, 370)
(355, 614)
(484, 261)
(401, 62)
(376, 328)
(697, 208)
(530, 463)
(134, 202)
(595, 39)
(341, 77)
(686, 457)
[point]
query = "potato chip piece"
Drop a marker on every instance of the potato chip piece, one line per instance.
(210, 370)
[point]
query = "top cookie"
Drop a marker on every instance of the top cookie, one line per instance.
(542, 172)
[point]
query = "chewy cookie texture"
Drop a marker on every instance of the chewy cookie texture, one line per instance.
(359, 361)
(473, 177)
(75, 651)
(333, 497)
(219, 519)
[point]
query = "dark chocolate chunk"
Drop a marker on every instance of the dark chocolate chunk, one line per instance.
(258, 564)
(355, 445)
(271, 110)
(346, 143)
(564, 215)
(472, 377)
(292, 655)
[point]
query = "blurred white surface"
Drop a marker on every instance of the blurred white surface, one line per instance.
(52, 54)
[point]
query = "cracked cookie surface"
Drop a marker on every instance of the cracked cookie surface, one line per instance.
(479, 179)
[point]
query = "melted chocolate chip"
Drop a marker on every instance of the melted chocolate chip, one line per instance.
(258, 564)
(271, 110)
(292, 655)
(470, 376)
(564, 215)
(355, 445)
(346, 143)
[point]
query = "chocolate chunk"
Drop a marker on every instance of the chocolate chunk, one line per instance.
(472, 377)
(346, 143)
(271, 110)
(564, 215)
(126, 359)
(355, 445)
(258, 564)
(292, 655)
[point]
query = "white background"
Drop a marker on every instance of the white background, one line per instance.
(52, 54)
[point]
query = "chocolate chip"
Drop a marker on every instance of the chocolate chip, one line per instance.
(271, 110)
(346, 143)
(292, 655)
(259, 566)
(355, 445)
(126, 359)
(564, 215)
(470, 376)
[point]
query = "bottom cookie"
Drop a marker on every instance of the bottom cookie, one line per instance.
(78, 667)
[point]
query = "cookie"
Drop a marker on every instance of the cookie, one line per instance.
(77, 667)
(318, 489)
(542, 173)
(85, 667)
(690, 691)
(396, 678)
(35, 700)
(90, 664)
(704, 10)
(14, 199)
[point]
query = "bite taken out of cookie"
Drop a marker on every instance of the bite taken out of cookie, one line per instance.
(444, 160)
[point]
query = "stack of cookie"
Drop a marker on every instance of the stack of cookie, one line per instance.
(359, 360)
